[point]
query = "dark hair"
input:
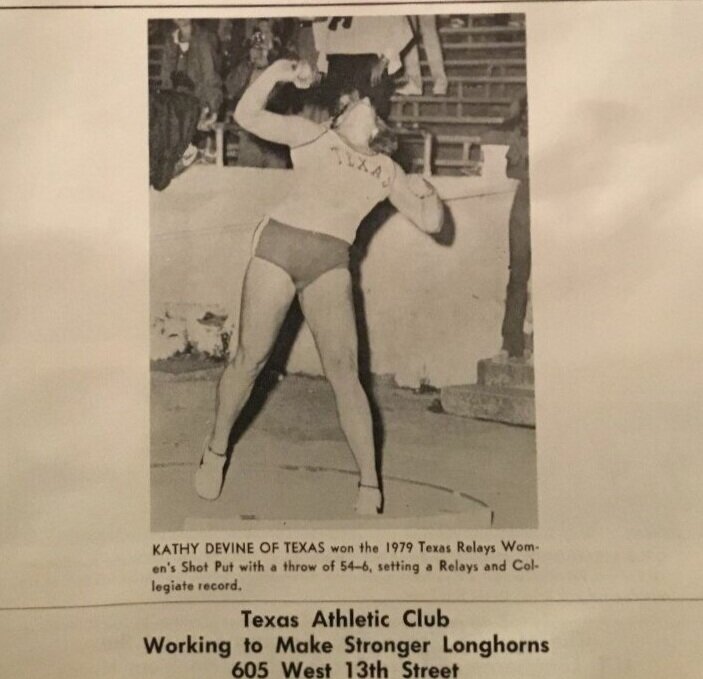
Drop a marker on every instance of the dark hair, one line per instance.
(384, 141)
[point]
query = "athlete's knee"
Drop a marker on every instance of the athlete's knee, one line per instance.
(342, 369)
(247, 362)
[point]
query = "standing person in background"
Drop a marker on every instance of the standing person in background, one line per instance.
(233, 37)
(340, 171)
(519, 239)
(427, 27)
(189, 56)
(305, 39)
(362, 53)
(185, 106)
(254, 151)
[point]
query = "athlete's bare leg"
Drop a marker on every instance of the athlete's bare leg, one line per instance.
(328, 308)
(267, 293)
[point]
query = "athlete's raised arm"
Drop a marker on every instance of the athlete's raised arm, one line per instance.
(251, 111)
(417, 199)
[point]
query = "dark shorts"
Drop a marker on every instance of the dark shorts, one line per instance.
(304, 255)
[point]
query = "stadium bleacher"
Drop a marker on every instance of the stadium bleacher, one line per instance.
(485, 62)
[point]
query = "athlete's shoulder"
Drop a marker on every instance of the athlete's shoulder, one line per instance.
(320, 135)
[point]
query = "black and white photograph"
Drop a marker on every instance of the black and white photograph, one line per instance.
(340, 303)
(351, 341)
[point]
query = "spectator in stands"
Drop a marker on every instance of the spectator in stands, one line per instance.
(302, 248)
(254, 151)
(426, 26)
(189, 60)
(362, 53)
(519, 237)
(278, 31)
(233, 38)
(304, 39)
(266, 27)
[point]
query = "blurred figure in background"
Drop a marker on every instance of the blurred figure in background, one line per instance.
(426, 26)
(191, 54)
(254, 151)
(191, 62)
(514, 346)
(304, 39)
(362, 53)
(186, 103)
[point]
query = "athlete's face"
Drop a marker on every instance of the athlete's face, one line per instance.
(359, 120)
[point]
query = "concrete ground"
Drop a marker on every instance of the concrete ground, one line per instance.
(291, 466)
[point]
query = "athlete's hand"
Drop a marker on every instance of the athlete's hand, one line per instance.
(284, 69)
(419, 186)
(300, 73)
(377, 70)
(305, 75)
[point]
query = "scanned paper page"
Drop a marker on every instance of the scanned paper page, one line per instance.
(352, 341)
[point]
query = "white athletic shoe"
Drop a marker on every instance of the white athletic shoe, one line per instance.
(441, 85)
(189, 155)
(210, 475)
(409, 90)
(369, 502)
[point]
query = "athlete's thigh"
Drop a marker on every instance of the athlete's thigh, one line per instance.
(266, 296)
(328, 307)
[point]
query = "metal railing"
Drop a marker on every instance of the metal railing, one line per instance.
(426, 164)
(425, 136)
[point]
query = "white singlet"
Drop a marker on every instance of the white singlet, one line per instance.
(335, 187)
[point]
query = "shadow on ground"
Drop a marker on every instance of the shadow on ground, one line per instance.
(291, 461)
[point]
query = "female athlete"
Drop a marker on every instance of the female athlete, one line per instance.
(302, 247)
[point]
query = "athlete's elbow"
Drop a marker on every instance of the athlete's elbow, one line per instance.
(433, 219)
(242, 117)
(434, 227)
